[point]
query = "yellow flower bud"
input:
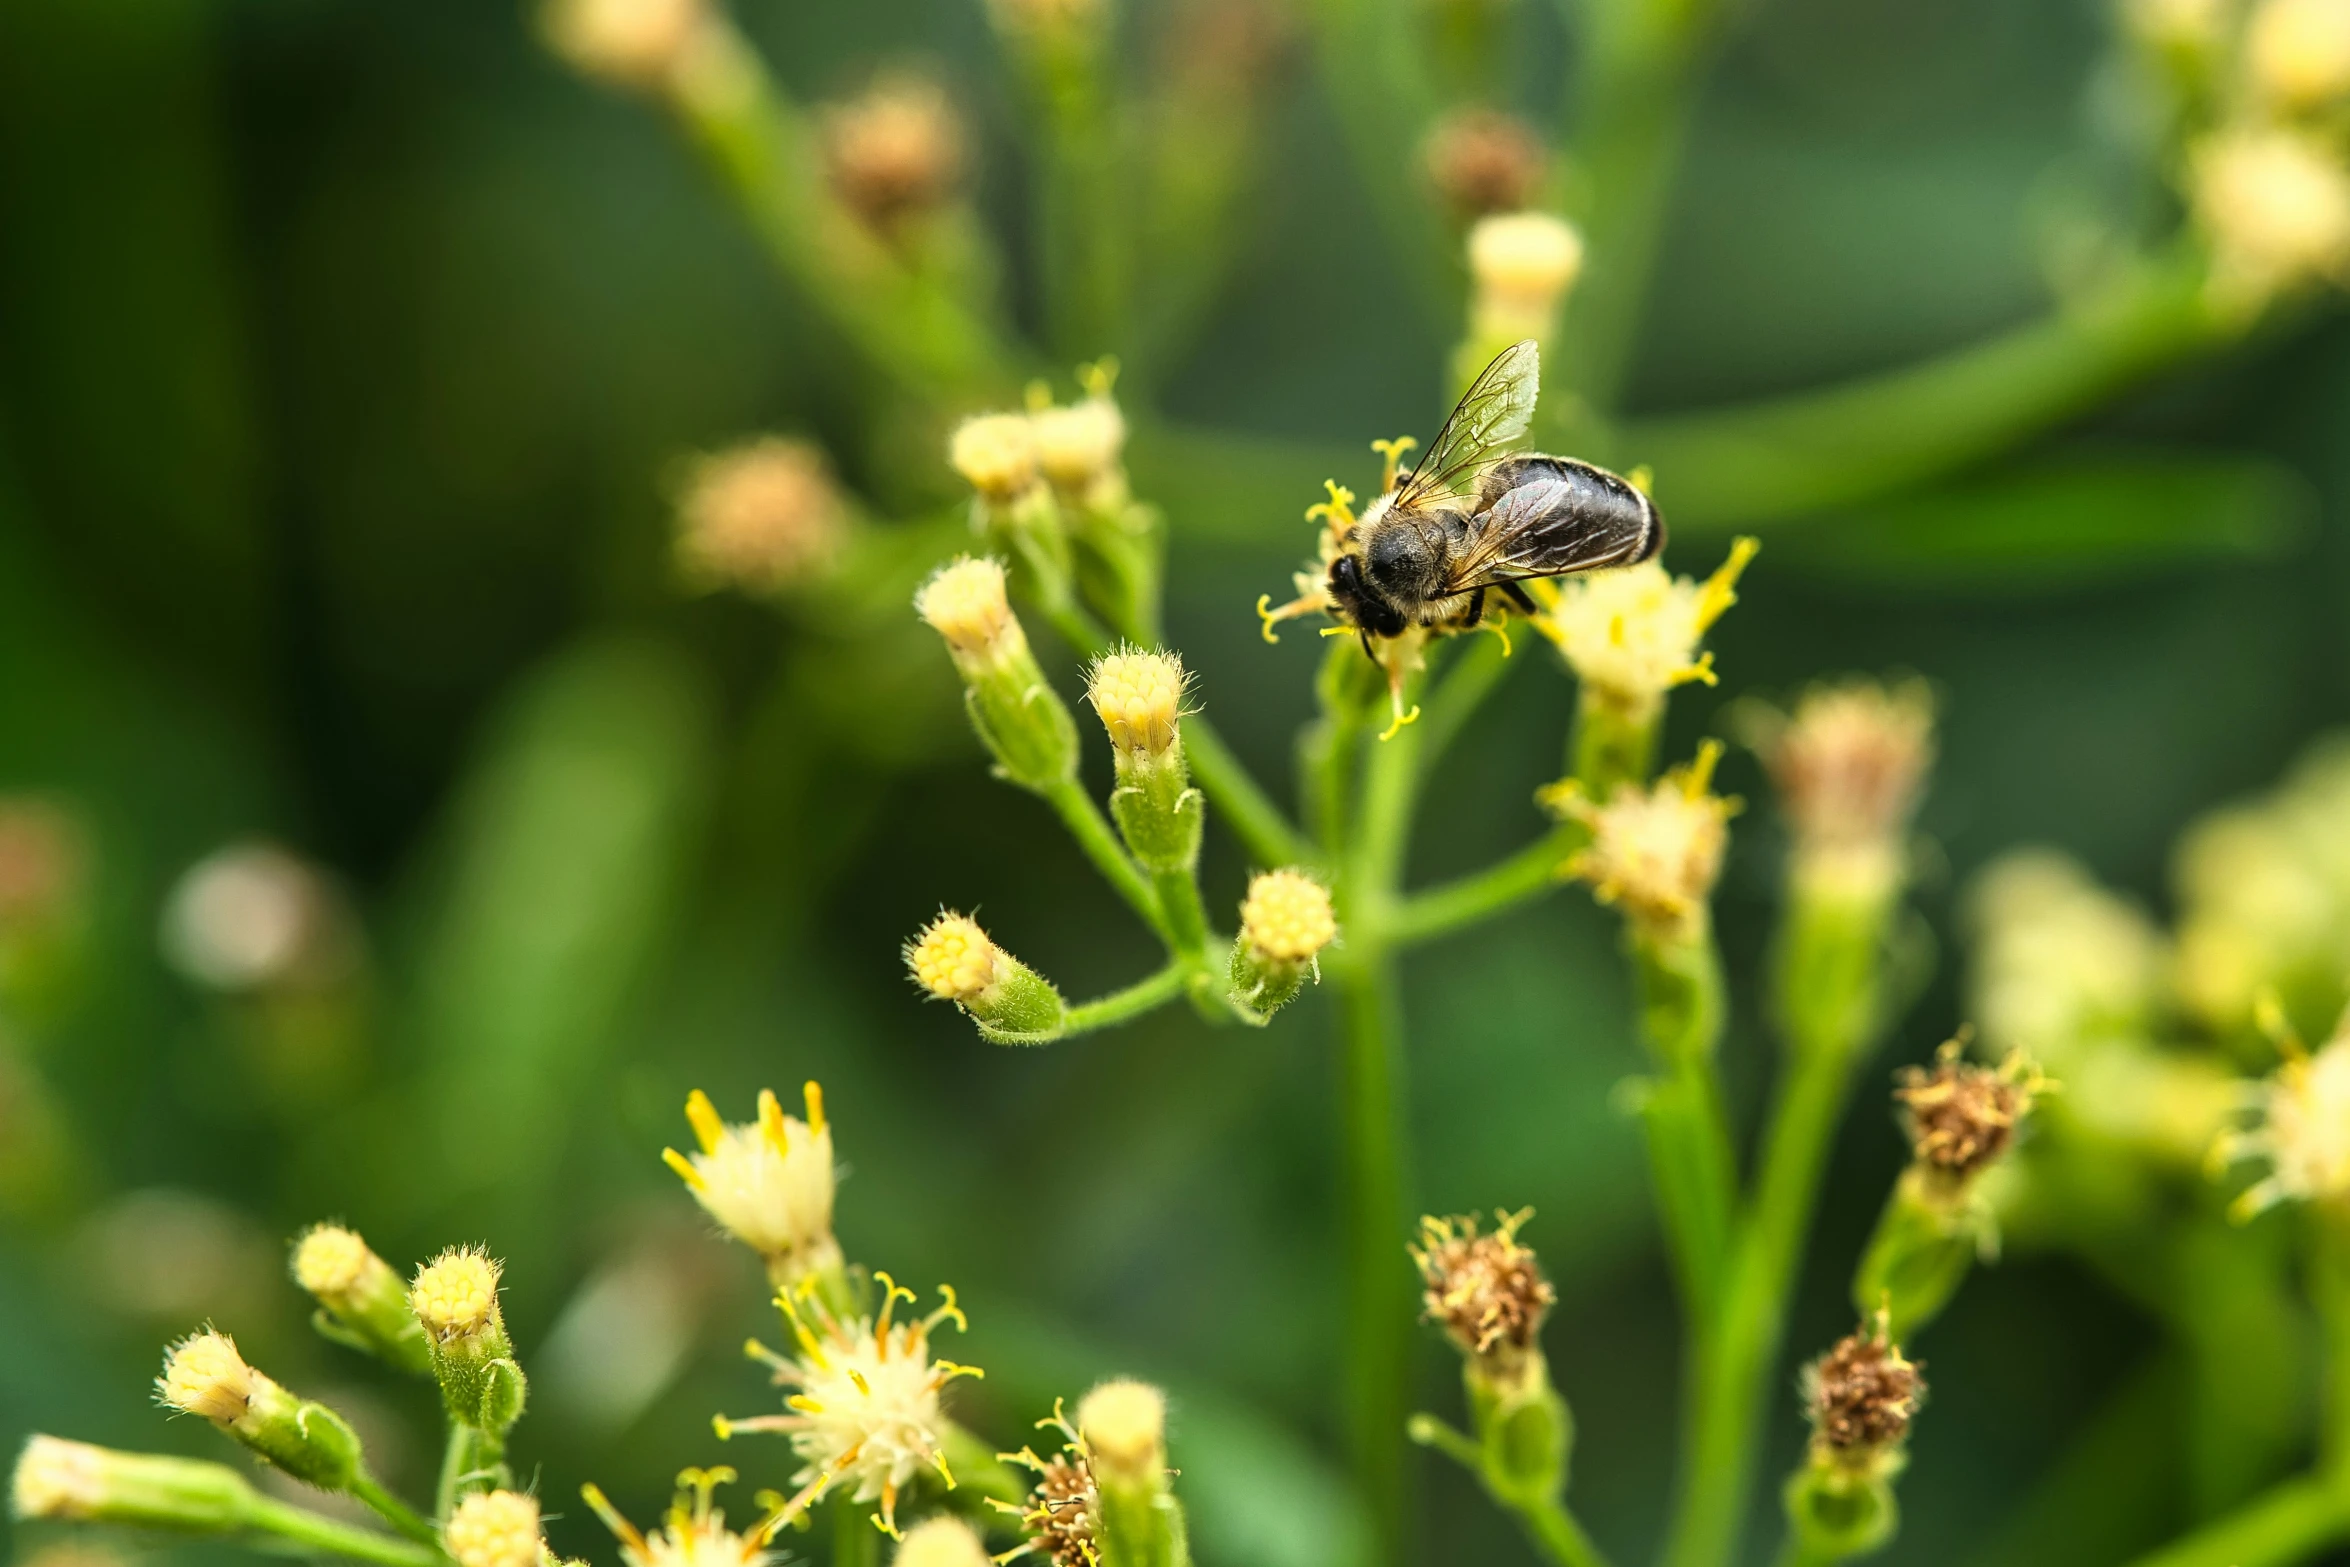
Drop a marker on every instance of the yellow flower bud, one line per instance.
(76, 1481)
(204, 1375)
(2275, 206)
(333, 1263)
(1078, 444)
(964, 602)
(1287, 917)
(1521, 265)
(2298, 51)
(628, 43)
(944, 1541)
(495, 1529)
(1656, 851)
(1139, 696)
(1125, 1427)
(996, 453)
(953, 958)
(456, 1294)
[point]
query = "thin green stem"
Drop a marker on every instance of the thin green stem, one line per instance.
(1372, 74)
(1734, 1375)
(1379, 1299)
(1120, 1006)
(1796, 1552)
(1081, 211)
(1562, 1539)
(1524, 876)
(2289, 1523)
(370, 1492)
(1679, 979)
(1846, 444)
(1093, 833)
(302, 1527)
(1383, 837)
(1251, 813)
(855, 1542)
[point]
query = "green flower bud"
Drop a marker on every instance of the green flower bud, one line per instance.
(204, 1375)
(1123, 1425)
(1285, 922)
(360, 1300)
(455, 1297)
(1020, 718)
(954, 960)
(1139, 697)
(73, 1480)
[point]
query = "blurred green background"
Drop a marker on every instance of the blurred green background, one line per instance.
(344, 347)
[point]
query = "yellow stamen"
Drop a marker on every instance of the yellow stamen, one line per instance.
(621, 1528)
(708, 1129)
(771, 1122)
(1719, 593)
(951, 1311)
(1392, 452)
(684, 1168)
(1499, 627)
(1338, 510)
(814, 1096)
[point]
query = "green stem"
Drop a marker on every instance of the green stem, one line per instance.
(855, 1542)
(1734, 1376)
(1371, 71)
(1562, 1539)
(1796, 1552)
(1093, 833)
(1525, 875)
(370, 1492)
(2329, 1288)
(1082, 216)
(1239, 801)
(288, 1522)
(764, 147)
(2288, 1524)
(1379, 1296)
(1119, 1006)
(1681, 1012)
(1849, 443)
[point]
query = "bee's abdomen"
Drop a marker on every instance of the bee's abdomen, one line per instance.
(1572, 514)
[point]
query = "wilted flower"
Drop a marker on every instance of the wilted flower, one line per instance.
(868, 1412)
(1632, 635)
(1063, 1513)
(2275, 205)
(763, 517)
(1485, 1290)
(1861, 1396)
(769, 1184)
(693, 1533)
(895, 151)
(1482, 162)
(1848, 764)
(1655, 851)
(1962, 1117)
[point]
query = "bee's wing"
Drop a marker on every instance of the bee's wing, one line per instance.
(1493, 412)
(1573, 517)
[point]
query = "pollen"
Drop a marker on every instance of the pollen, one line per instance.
(996, 453)
(1139, 696)
(58, 1479)
(1962, 1117)
(768, 1184)
(631, 43)
(1124, 1423)
(2276, 207)
(964, 602)
(495, 1529)
(456, 1294)
(204, 1375)
(1632, 635)
(944, 1541)
(1485, 1290)
(2298, 51)
(895, 151)
(953, 958)
(1287, 917)
(334, 1263)
(1862, 1394)
(764, 517)
(1657, 851)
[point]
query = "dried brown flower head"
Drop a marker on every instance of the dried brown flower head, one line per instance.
(1486, 1291)
(1962, 1117)
(1482, 161)
(1063, 1514)
(1849, 761)
(763, 517)
(1862, 1394)
(894, 151)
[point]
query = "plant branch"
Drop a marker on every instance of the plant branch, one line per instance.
(302, 1527)
(1254, 818)
(370, 1492)
(2287, 1524)
(1093, 833)
(1524, 876)
(1120, 1006)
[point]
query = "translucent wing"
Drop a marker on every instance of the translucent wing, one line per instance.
(1493, 412)
(1563, 516)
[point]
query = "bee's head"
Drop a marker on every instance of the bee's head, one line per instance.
(1359, 602)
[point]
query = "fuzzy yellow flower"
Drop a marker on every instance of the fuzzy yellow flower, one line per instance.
(1633, 635)
(495, 1529)
(693, 1533)
(1655, 852)
(769, 1184)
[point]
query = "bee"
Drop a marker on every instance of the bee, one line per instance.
(1471, 520)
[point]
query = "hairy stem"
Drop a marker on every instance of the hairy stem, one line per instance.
(1120, 1006)
(1093, 833)
(1239, 800)
(369, 1491)
(288, 1522)
(1524, 876)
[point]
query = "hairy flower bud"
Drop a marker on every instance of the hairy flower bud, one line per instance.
(204, 1375)
(1961, 1117)
(763, 517)
(769, 1184)
(1655, 852)
(2275, 206)
(495, 1529)
(895, 152)
(75, 1481)
(996, 454)
(1285, 923)
(1019, 717)
(1485, 1290)
(626, 43)
(1125, 1427)
(1484, 162)
(1079, 444)
(361, 1302)
(1139, 698)
(2297, 52)
(1861, 1396)
(1521, 265)
(455, 1297)
(954, 960)
(944, 1541)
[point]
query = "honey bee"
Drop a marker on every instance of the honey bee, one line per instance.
(1471, 520)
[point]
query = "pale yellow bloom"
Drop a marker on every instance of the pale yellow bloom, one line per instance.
(769, 1184)
(204, 1375)
(1287, 917)
(692, 1533)
(1078, 443)
(1125, 1427)
(455, 1295)
(953, 958)
(2303, 1131)
(2275, 205)
(868, 1412)
(631, 43)
(1657, 851)
(2298, 51)
(1632, 635)
(763, 517)
(495, 1529)
(1139, 696)
(944, 1541)
(964, 602)
(996, 453)
(58, 1479)
(1520, 265)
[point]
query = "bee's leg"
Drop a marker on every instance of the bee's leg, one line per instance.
(1369, 651)
(1516, 593)
(1476, 613)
